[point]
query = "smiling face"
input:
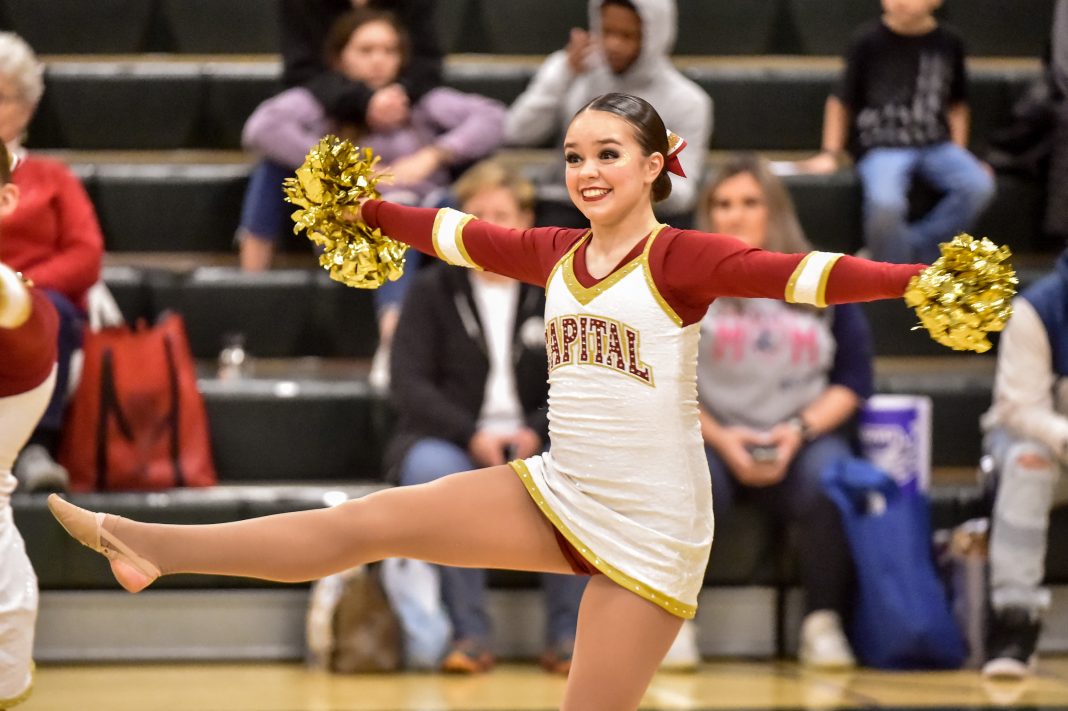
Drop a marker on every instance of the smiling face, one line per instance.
(740, 208)
(373, 55)
(607, 174)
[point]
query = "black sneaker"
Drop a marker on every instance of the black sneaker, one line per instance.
(1011, 643)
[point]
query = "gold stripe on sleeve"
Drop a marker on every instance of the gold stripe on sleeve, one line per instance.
(461, 247)
(435, 234)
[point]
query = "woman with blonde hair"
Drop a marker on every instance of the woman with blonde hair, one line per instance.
(778, 385)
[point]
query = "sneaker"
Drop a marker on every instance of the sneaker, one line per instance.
(683, 655)
(1011, 643)
(37, 471)
(823, 643)
(557, 659)
(467, 656)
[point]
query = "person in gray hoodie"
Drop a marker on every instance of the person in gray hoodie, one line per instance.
(627, 49)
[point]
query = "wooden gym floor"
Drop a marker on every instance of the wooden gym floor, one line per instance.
(738, 685)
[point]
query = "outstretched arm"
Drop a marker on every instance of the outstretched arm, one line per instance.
(460, 239)
(697, 267)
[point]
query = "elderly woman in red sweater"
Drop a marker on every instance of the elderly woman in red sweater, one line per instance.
(53, 238)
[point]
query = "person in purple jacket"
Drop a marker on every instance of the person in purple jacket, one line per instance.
(445, 128)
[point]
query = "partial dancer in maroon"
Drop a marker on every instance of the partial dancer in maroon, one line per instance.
(28, 327)
(623, 494)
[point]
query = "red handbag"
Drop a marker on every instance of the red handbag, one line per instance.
(137, 420)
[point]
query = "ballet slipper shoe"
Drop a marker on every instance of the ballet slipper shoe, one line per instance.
(133, 572)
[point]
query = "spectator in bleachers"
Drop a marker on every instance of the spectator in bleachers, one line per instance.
(901, 108)
(627, 49)
(470, 391)
(305, 27)
(1027, 439)
(444, 129)
(52, 237)
(28, 325)
(777, 385)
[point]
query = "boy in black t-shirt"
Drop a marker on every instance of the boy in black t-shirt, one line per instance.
(901, 102)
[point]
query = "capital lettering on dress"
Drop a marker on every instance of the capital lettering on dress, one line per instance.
(598, 328)
(594, 340)
(634, 366)
(615, 358)
(584, 339)
(569, 328)
(552, 343)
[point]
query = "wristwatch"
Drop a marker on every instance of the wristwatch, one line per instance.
(802, 427)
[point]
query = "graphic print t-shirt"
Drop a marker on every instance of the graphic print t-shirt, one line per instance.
(898, 87)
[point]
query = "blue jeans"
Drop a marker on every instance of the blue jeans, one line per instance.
(886, 174)
(71, 324)
(463, 590)
(826, 566)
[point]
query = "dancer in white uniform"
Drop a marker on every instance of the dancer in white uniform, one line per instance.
(28, 327)
(640, 514)
(624, 490)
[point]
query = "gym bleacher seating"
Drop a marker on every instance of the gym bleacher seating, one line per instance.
(738, 27)
(773, 105)
(146, 100)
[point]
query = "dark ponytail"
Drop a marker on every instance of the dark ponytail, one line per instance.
(648, 129)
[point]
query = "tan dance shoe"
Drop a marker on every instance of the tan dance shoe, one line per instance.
(133, 572)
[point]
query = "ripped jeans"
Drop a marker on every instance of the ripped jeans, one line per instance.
(1027, 490)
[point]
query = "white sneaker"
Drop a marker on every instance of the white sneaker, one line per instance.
(37, 471)
(823, 643)
(683, 655)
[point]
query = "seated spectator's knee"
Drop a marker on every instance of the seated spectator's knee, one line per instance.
(1030, 459)
(886, 213)
(979, 188)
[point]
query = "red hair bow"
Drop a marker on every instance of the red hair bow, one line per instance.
(675, 145)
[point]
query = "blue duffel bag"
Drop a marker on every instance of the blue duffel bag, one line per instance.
(902, 617)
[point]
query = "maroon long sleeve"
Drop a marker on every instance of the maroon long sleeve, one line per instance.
(689, 268)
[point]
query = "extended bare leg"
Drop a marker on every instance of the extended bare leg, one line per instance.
(482, 518)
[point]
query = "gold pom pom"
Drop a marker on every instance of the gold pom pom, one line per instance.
(965, 294)
(333, 179)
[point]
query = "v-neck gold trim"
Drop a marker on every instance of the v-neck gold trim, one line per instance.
(585, 295)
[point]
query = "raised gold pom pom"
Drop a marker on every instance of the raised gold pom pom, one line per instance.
(333, 179)
(965, 294)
